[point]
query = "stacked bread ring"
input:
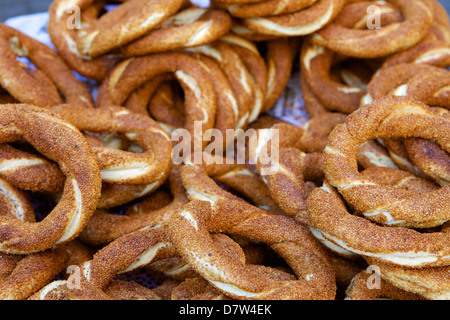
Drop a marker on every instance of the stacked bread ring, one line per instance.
(351, 204)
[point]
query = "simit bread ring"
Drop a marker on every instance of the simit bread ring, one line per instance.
(31, 272)
(425, 83)
(227, 115)
(200, 97)
(431, 283)
(359, 290)
(126, 253)
(119, 166)
(433, 53)
(300, 161)
(64, 38)
(238, 75)
(234, 278)
(302, 22)
(421, 81)
(104, 227)
(385, 118)
(187, 28)
(16, 203)
(341, 231)
(64, 144)
(127, 22)
(316, 62)
(14, 78)
(256, 66)
(28, 171)
(286, 177)
(264, 8)
(201, 217)
(370, 43)
(279, 57)
(167, 105)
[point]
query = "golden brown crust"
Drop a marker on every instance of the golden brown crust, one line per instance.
(64, 37)
(425, 83)
(429, 283)
(316, 62)
(370, 43)
(200, 97)
(360, 289)
(31, 172)
(104, 227)
(136, 19)
(121, 255)
(392, 117)
(187, 28)
(196, 246)
(299, 23)
(14, 78)
(44, 130)
(263, 8)
(31, 272)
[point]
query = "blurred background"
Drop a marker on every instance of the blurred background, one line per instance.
(12, 8)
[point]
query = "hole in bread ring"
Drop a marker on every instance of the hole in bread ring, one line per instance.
(316, 63)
